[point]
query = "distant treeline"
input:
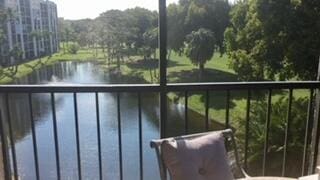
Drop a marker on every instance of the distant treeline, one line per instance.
(265, 39)
(195, 28)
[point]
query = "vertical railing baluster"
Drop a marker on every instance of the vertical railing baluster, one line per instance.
(34, 137)
(186, 125)
(267, 126)
(227, 109)
(13, 148)
(315, 135)
(163, 66)
(285, 150)
(99, 135)
(306, 136)
(207, 110)
(140, 137)
(4, 146)
(119, 136)
(55, 134)
(247, 130)
(313, 157)
(76, 119)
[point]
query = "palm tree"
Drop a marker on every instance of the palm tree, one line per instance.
(200, 48)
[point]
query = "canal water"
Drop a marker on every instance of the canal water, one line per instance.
(89, 73)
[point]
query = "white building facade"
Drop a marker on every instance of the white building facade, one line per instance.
(31, 27)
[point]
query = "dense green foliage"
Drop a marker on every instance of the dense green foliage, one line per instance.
(277, 129)
(271, 39)
(73, 48)
(200, 47)
(190, 16)
(119, 33)
(265, 40)
(134, 32)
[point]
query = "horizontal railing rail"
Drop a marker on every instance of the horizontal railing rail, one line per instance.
(171, 87)
(243, 85)
(138, 89)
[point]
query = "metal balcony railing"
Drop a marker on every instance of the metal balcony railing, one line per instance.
(185, 89)
(310, 142)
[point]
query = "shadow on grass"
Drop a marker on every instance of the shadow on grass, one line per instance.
(209, 75)
(149, 64)
(217, 99)
(134, 77)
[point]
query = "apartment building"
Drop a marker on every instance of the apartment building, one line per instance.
(31, 27)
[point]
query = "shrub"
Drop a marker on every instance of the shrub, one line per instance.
(276, 135)
(73, 48)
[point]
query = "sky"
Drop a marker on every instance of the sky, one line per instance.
(81, 9)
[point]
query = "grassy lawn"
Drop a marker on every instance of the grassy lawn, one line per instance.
(29, 67)
(180, 70)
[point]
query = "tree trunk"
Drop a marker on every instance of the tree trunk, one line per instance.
(64, 47)
(169, 54)
(151, 77)
(201, 71)
(155, 75)
(118, 64)
(109, 58)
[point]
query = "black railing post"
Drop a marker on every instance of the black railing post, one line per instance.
(77, 129)
(315, 129)
(186, 118)
(55, 135)
(119, 136)
(307, 134)
(247, 129)
(12, 139)
(227, 125)
(163, 66)
(266, 133)
(34, 138)
(207, 109)
(287, 134)
(5, 153)
(140, 137)
(99, 134)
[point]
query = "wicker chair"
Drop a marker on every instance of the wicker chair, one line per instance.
(156, 144)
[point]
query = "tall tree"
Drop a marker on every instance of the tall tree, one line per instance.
(139, 21)
(191, 15)
(114, 32)
(176, 28)
(209, 14)
(150, 43)
(200, 48)
(274, 39)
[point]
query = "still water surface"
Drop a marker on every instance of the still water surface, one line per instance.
(69, 72)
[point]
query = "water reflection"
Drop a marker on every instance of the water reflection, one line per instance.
(69, 72)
